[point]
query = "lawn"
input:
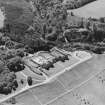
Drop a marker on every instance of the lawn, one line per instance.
(72, 4)
(56, 53)
(48, 91)
(94, 10)
(82, 72)
(67, 99)
(89, 93)
(25, 98)
(47, 56)
(35, 76)
(20, 77)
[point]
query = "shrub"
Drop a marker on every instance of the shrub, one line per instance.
(50, 64)
(62, 58)
(54, 60)
(29, 80)
(66, 57)
(20, 52)
(45, 66)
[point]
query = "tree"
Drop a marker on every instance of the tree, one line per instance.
(4, 39)
(14, 87)
(102, 19)
(20, 52)
(12, 100)
(7, 82)
(50, 64)
(29, 50)
(62, 58)
(52, 36)
(15, 83)
(19, 45)
(82, 23)
(2, 67)
(88, 25)
(22, 81)
(45, 66)
(10, 54)
(72, 14)
(66, 57)
(10, 44)
(29, 80)
(97, 50)
(54, 60)
(15, 64)
(6, 90)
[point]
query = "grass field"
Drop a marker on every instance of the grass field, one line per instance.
(34, 76)
(94, 9)
(72, 4)
(46, 55)
(56, 53)
(81, 72)
(48, 91)
(91, 93)
(20, 77)
(26, 98)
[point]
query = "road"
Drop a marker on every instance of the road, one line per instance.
(48, 80)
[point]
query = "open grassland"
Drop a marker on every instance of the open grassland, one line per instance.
(94, 9)
(90, 93)
(48, 91)
(81, 72)
(26, 99)
(72, 4)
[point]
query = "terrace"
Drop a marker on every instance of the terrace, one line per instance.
(56, 53)
(46, 55)
(39, 60)
(44, 65)
(48, 64)
(53, 62)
